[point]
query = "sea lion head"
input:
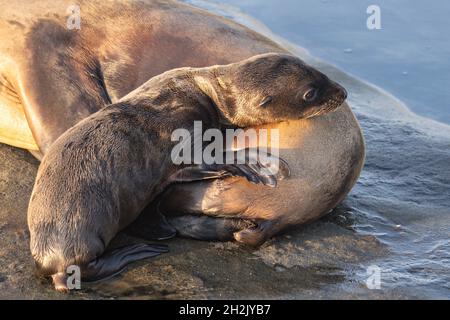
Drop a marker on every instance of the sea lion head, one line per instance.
(275, 87)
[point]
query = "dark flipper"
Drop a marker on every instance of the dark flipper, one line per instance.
(111, 263)
(208, 228)
(151, 225)
(253, 170)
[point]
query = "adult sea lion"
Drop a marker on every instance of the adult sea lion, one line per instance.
(99, 175)
(51, 77)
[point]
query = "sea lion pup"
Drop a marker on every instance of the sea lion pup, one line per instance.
(99, 175)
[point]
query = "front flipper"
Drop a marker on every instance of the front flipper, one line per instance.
(59, 80)
(253, 170)
(113, 262)
(208, 228)
(151, 225)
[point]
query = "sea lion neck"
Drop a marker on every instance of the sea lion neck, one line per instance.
(175, 101)
(213, 83)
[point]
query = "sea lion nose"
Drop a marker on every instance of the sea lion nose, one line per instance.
(344, 93)
(341, 92)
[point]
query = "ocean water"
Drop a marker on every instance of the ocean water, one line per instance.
(409, 56)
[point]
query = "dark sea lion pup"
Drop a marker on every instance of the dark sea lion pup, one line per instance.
(99, 175)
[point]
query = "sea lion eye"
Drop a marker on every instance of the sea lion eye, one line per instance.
(266, 101)
(310, 95)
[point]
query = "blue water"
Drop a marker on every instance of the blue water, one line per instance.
(408, 57)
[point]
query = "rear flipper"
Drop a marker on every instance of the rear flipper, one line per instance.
(111, 263)
(257, 234)
(207, 228)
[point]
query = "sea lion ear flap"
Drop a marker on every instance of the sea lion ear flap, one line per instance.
(266, 101)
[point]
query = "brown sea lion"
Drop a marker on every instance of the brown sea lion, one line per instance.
(99, 175)
(51, 77)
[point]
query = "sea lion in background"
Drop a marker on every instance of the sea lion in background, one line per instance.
(52, 77)
(99, 175)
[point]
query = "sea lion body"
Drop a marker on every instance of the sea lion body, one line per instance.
(100, 174)
(52, 77)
